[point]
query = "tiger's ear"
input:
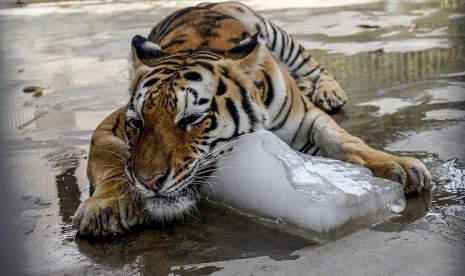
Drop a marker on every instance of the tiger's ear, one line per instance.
(145, 52)
(249, 53)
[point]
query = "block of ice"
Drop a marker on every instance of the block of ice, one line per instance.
(265, 176)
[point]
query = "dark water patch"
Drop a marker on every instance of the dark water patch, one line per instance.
(206, 270)
(65, 163)
(68, 193)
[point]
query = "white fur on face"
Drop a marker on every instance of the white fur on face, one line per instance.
(167, 209)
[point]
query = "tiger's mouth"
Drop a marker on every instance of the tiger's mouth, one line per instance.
(188, 192)
(171, 207)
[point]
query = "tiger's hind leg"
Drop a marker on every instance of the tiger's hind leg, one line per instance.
(313, 80)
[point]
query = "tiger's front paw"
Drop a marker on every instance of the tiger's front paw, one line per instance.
(327, 94)
(408, 171)
(106, 216)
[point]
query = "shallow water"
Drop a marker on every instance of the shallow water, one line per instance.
(402, 64)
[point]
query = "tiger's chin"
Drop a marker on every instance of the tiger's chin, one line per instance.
(168, 208)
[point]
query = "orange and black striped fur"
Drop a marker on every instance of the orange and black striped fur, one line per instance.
(204, 76)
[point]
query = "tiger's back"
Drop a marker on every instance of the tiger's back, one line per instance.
(199, 27)
(221, 27)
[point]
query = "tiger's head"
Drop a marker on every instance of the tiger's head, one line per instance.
(184, 109)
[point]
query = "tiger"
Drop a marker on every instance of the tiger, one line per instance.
(204, 76)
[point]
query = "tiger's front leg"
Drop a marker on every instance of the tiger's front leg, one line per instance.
(111, 210)
(113, 207)
(321, 135)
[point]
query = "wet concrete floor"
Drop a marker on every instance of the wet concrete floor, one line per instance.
(402, 64)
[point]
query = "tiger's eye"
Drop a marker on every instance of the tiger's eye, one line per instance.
(136, 123)
(189, 120)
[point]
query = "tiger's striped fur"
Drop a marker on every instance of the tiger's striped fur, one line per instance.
(205, 76)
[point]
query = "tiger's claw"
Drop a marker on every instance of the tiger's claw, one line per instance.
(105, 217)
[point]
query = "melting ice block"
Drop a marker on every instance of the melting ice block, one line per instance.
(265, 176)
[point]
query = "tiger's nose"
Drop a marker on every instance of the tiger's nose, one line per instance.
(155, 182)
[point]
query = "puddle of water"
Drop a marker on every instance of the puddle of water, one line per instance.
(409, 65)
(448, 94)
(450, 193)
(445, 114)
(447, 142)
(387, 106)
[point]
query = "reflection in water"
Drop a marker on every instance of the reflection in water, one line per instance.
(218, 234)
(12, 119)
(387, 69)
(67, 188)
(416, 208)
(452, 4)
(68, 194)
